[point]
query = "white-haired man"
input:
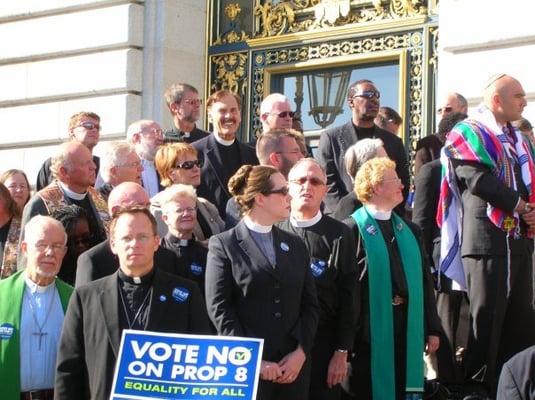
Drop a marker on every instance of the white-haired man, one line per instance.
(276, 112)
(146, 136)
(119, 163)
(32, 308)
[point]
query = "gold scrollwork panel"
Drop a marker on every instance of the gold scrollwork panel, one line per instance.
(230, 72)
(294, 16)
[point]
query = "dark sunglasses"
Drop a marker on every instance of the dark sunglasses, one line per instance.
(190, 164)
(313, 181)
(284, 114)
(445, 109)
(283, 190)
(89, 126)
(369, 94)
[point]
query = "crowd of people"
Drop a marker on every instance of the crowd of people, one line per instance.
(362, 293)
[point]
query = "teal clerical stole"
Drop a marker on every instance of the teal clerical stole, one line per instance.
(381, 317)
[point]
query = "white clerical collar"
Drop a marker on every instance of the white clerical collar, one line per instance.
(71, 194)
(34, 287)
(253, 226)
(222, 141)
(380, 215)
(305, 223)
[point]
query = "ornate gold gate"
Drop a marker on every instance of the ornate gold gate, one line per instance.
(251, 40)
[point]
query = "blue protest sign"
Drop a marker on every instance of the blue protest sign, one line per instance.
(154, 365)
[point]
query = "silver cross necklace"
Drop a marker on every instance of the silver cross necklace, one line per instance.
(40, 334)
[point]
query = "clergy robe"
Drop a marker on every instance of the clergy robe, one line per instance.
(11, 295)
(361, 378)
(333, 264)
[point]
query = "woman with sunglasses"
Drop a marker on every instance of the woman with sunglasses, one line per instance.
(177, 163)
(258, 283)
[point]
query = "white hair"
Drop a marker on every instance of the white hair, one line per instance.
(359, 153)
(115, 154)
(267, 103)
(34, 224)
(170, 194)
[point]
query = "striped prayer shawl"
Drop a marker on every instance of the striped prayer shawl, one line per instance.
(478, 140)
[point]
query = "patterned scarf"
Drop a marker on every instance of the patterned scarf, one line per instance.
(9, 260)
(54, 198)
(479, 140)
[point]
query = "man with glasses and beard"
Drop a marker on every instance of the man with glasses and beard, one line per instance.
(363, 98)
(185, 107)
(84, 127)
(331, 246)
(146, 136)
(221, 152)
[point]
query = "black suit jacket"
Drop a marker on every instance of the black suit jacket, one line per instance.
(426, 194)
(517, 379)
(91, 332)
(246, 296)
(99, 261)
(214, 180)
(332, 148)
(346, 207)
(478, 187)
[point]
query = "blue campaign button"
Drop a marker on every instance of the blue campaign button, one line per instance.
(180, 294)
(196, 269)
(285, 247)
(317, 267)
(6, 331)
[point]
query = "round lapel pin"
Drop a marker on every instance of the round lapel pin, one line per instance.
(284, 246)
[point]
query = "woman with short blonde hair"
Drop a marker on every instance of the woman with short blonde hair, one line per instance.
(399, 318)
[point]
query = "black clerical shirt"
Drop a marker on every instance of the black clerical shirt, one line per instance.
(331, 246)
(134, 300)
(191, 257)
(399, 284)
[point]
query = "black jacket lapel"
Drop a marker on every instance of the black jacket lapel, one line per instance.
(109, 304)
(214, 158)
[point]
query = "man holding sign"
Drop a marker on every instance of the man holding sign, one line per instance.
(138, 296)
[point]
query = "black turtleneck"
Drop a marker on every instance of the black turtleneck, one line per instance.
(364, 133)
(136, 293)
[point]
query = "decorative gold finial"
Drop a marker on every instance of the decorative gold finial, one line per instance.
(232, 11)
